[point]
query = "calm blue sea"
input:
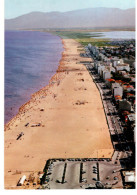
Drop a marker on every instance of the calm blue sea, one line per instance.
(116, 35)
(31, 59)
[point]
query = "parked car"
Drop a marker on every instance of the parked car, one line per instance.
(94, 179)
(115, 178)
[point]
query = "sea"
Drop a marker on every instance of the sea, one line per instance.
(115, 35)
(31, 59)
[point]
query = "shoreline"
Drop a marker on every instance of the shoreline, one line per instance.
(70, 124)
(22, 107)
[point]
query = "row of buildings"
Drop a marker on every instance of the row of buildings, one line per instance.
(118, 74)
(119, 77)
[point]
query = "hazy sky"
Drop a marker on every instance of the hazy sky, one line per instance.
(14, 8)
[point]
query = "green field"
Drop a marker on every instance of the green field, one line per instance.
(83, 37)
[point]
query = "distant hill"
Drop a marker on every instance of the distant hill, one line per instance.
(85, 18)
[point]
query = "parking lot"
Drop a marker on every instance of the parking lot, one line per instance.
(82, 173)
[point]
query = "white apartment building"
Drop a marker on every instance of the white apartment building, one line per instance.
(106, 74)
(123, 67)
(117, 89)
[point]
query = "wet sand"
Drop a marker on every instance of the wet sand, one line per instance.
(71, 117)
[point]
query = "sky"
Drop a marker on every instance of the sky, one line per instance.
(14, 8)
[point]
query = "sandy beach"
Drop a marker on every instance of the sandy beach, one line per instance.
(71, 117)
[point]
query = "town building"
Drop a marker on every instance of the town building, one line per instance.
(116, 62)
(106, 74)
(100, 69)
(120, 67)
(128, 88)
(117, 90)
(129, 177)
(112, 69)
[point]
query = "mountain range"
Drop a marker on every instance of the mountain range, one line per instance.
(85, 18)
